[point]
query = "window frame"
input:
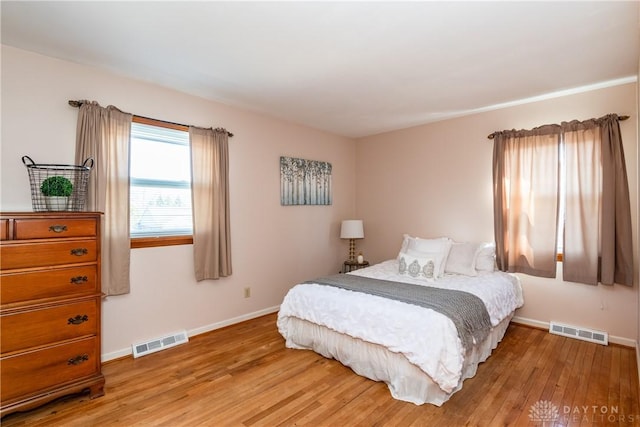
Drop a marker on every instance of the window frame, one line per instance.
(562, 193)
(157, 241)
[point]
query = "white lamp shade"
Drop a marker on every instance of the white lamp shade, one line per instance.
(352, 229)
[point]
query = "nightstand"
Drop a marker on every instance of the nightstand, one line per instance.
(354, 265)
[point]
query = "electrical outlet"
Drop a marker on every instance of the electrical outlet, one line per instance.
(247, 292)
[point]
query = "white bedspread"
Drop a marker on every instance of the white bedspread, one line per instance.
(426, 338)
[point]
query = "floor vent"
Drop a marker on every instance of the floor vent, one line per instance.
(585, 334)
(168, 341)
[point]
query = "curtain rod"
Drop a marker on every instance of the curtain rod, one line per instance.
(77, 104)
(620, 118)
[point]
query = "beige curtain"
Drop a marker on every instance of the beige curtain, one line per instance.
(597, 239)
(583, 188)
(103, 134)
(210, 202)
(597, 245)
(526, 200)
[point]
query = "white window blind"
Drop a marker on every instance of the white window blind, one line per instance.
(160, 182)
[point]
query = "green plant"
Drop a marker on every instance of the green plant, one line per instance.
(56, 186)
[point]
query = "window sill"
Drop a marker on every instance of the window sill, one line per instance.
(152, 242)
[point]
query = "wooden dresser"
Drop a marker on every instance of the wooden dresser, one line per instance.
(49, 307)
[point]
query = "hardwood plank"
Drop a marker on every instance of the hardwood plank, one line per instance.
(243, 375)
(628, 385)
(614, 384)
(565, 377)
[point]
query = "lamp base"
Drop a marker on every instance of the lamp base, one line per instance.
(352, 249)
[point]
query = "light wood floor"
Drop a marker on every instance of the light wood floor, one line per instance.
(243, 375)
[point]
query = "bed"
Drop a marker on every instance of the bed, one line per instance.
(420, 353)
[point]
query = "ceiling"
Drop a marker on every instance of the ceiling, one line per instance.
(351, 68)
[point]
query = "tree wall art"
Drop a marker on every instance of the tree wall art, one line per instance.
(304, 182)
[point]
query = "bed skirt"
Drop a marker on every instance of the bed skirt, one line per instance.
(405, 380)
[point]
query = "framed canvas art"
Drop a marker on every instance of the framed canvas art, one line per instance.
(304, 182)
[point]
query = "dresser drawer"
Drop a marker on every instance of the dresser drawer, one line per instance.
(19, 255)
(4, 229)
(29, 373)
(58, 283)
(55, 227)
(25, 329)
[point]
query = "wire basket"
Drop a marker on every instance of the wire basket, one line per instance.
(58, 187)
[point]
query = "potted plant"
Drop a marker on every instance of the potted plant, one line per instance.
(56, 191)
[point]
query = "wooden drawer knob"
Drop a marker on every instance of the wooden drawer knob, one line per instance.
(81, 358)
(79, 319)
(79, 280)
(58, 228)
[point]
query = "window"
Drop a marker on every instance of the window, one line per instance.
(160, 183)
(562, 191)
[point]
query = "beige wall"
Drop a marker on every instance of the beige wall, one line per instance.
(273, 247)
(638, 210)
(435, 180)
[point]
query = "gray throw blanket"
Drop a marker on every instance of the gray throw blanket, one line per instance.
(466, 310)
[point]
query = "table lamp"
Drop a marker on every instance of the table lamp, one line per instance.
(352, 229)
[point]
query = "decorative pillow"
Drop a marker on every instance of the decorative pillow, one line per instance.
(418, 268)
(439, 248)
(462, 259)
(486, 258)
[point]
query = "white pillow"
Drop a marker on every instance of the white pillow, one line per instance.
(418, 268)
(440, 247)
(436, 257)
(405, 244)
(428, 245)
(436, 248)
(462, 259)
(486, 258)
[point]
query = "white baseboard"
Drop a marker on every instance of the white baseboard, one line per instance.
(232, 321)
(545, 325)
(530, 322)
(105, 357)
